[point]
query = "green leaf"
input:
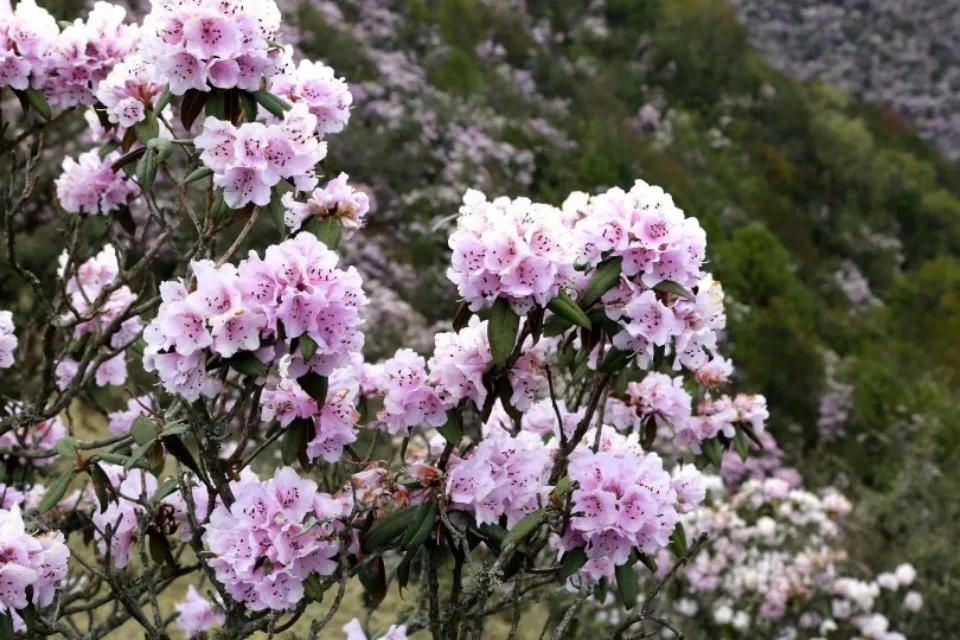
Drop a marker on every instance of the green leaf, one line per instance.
(678, 541)
(555, 326)
(246, 363)
(628, 587)
(327, 229)
(101, 486)
(127, 158)
(191, 106)
(462, 317)
(272, 103)
(604, 278)
(67, 446)
(572, 561)
(387, 529)
(198, 174)
(112, 458)
(615, 360)
(428, 519)
(138, 454)
(143, 431)
(502, 331)
(308, 347)
(563, 487)
(740, 445)
(493, 535)
(159, 547)
(216, 104)
(313, 588)
(166, 487)
(147, 129)
(163, 148)
(56, 491)
(527, 525)
(452, 430)
(163, 101)
(373, 577)
(38, 102)
(294, 445)
(249, 104)
(276, 210)
(315, 385)
(648, 561)
(6, 626)
(673, 288)
(713, 451)
(175, 428)
(569, 310)
(748, 430)
(146, 171)
(175, 447)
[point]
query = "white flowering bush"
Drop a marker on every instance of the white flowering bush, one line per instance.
(551, 440)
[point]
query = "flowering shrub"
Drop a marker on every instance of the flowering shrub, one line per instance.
(552, 439)
(776, 566)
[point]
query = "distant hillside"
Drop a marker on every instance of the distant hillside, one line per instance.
(901, 53)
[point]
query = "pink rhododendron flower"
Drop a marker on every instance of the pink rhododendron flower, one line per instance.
(128, 91)
(512, 249)
(37, 563)
(337, 199)
(624, 500)
(117, 526)
(262, 547)
(409, 400)
(316, 85)
(27, 38)
(196, 614)
(224, 43)
(84, 54)
(503, 476)
(250, 159)
(88, 184)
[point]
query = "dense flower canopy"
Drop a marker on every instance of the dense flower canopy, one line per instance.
(551, 435)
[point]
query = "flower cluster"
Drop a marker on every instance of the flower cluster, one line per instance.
(295, 290)
(334, 423)
(775, 564)
(250, 159)
(84, 289)
(721, 416)
(89, 184)
(8, 339)
(83, 55)
(502, 476)
(337, 199)
(204, 43)
(317, 86)
(32, 567)
(275, 535)
(624, 500)
(117, 526)
(196, 614)
(409, 400)
(128, 91)
(458, 363)
(27, 37)
(512, 249)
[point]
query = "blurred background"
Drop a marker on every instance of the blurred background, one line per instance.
(813, 140)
